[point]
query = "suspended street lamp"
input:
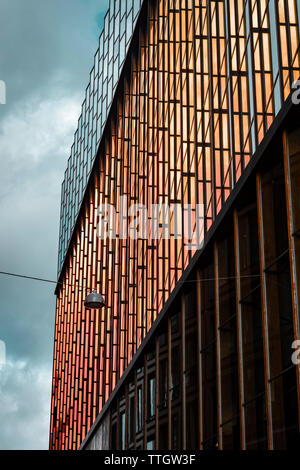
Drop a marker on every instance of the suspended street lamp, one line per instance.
(94, 300)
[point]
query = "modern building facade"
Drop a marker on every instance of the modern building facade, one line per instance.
(194, 347)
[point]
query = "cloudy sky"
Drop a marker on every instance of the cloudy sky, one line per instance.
(46, 52)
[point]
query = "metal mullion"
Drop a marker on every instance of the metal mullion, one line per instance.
(147, 114)
(159, 130)
(126, 241)
(183, 381)
(176, 244)
(157, 393)
(126, 139)
(168, 387)
(188, 107)
(66, 361)
(97, 331)
(264, 314)
(262, 71)
(239, 332)
(111, 256)
(139, 270)
(126, 416)
(135, 409)
(292, 256)
(171, 271)
(122, 242)
(118, 245)
(252, 92)
(288, 40)
(219, 112)
(142, 158)
(145, 399)
(131, 178)
(116, 252)
(101, 331)
(155, 260)
(145, 195)
(71, 346)
(218, 349)
(100, 326)
(99, 271)
(150, 183)
(181, 140)
(240, 97)
(100, 281)
(78, 338)
(212, 141)
(212, 199)
(118, 424)
(128, 247)
(156, 122)
(203, 130)
(166, 160)
(142, 69)
(106, 331)
(134, 152)
(195, 128)
(199, 363)
(279, 52)
(167, 64)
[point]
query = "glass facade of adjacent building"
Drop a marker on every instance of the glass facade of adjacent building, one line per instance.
(216, 370)
(202, 84)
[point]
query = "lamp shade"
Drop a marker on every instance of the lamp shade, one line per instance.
(94, 300)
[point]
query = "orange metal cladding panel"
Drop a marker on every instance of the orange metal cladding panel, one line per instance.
(183, 132)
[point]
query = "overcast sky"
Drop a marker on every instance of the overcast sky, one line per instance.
(46, 53)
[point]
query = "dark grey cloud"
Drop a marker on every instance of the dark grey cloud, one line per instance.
(46, 40)
(47, 50)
